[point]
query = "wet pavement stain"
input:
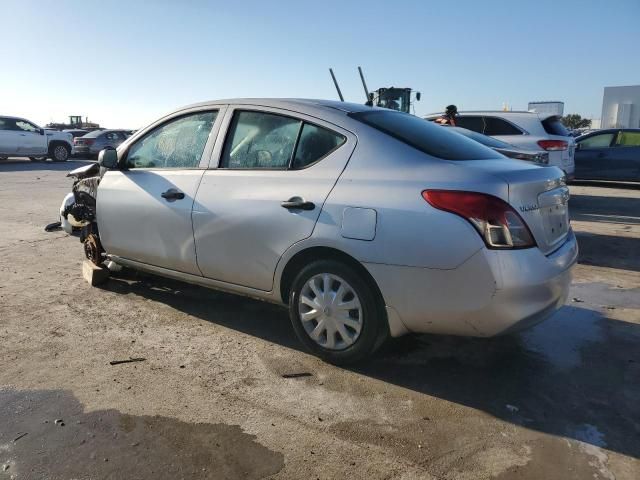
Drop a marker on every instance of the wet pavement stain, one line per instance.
(63, 441)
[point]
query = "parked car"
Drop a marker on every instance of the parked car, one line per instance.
(526, 130)
(76, 132)
(90, 144)
(612, 154)
(366, 222)
(537, 156)
(22, 138)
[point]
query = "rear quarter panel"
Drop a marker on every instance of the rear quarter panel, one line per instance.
(388, 176)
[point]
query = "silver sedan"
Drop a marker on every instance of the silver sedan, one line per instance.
(366, 222)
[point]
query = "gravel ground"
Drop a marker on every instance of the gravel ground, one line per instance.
(211, 399)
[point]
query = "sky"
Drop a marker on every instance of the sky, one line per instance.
(126, 63)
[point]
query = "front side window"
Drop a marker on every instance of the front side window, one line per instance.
(179, 143)
(498, 126)
(602, 140)
(628, 139)
(260, 140)
(26, 126)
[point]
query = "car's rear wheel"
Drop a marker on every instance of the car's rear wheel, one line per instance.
(59, 153)
(335, 312)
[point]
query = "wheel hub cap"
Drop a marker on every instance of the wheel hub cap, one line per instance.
(330, 311)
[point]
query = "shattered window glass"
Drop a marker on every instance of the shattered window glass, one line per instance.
(178, 143)
(260, 140)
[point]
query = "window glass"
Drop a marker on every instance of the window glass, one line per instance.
(25, 126)
(498, 126)
(483, 139)
(314, 143)
(6, 124)
(554, 126)
(260, 140)
(425, 136)
(178, 143)
(628, 139)
(602, 140)
(471, 123)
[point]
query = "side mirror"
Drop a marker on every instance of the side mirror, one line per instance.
(108, 158)
(578, 146)
(418, 95)
(41, 131)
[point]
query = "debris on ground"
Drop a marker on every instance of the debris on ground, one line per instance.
(578, 300)
(296, 375)
(128, 360)
(20, 435)
(52, 227)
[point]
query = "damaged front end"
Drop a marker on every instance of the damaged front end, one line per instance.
(78, 210)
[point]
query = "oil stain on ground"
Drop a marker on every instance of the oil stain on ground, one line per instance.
(47, 434)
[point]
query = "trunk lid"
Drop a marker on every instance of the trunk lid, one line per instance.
(539, 195)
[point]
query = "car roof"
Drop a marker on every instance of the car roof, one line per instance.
(607, 130)
(292, 103)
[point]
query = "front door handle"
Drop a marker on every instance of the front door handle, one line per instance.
(172, 194)
(298, 203)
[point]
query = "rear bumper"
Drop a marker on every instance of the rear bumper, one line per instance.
(493, 292)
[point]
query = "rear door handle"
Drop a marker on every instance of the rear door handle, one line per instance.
(298, 203)
(172, 195)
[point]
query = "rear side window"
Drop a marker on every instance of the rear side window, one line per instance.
(601, 140)
(314, 144)
(261, 140)
(425, 136)
(628, 139)
(475, 124)
(498, 126)
(553, 126)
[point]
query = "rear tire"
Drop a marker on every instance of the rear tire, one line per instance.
(335, 312)
(59, 152)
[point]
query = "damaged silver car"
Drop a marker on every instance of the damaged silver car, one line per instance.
(365, 222)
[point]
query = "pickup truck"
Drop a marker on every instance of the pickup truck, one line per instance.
(22, 138)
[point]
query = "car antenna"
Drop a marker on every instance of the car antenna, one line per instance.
(368, 96)
(335, 82)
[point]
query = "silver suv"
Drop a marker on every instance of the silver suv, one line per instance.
(529, 130)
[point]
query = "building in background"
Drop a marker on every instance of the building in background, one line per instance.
(550, 108)
(621, 107)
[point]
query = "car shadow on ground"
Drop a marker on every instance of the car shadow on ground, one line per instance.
(574, 375)
(603, 209)
(622, 252)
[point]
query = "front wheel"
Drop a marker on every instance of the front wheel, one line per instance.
(59, 153)
(335, 312)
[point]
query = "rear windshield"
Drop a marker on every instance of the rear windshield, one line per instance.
(94, 134)
(553, 126)
(483, 139)
(427, 137)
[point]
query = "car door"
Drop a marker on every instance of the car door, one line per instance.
(270, 179)
(625, 156)
(31, 139)
(8, 136)
(144, 207)
(592, 156)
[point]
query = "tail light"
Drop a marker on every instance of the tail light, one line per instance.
(553, 145)
(496, 221)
